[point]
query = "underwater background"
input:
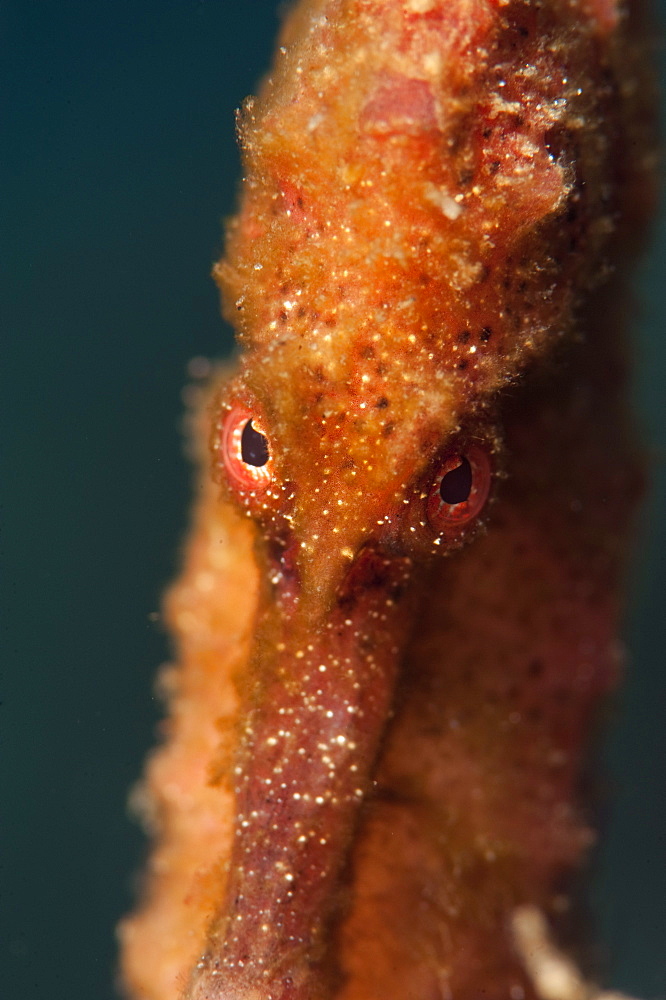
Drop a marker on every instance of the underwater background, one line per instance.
(118, 163)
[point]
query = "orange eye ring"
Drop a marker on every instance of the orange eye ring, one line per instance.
(459, 490)
(245, 452)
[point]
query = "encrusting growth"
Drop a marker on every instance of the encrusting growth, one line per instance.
(399, 604)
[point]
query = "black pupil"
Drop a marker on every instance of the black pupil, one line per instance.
(456, 485)
(254, 446)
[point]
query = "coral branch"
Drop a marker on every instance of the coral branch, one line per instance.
(554, 975)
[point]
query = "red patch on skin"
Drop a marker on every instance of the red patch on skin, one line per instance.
(400, 104)
(292, 200)
(531, 182)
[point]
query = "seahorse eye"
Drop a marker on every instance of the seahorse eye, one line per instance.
(245, 452)
(459, 489)
(455, 486)
(254, 446)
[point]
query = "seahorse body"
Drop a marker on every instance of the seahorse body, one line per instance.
(379, 714)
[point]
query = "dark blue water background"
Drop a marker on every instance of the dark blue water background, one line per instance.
(118, 162)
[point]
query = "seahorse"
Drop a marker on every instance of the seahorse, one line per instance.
(399, 607)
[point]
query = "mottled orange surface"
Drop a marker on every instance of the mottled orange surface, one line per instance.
(379, 714)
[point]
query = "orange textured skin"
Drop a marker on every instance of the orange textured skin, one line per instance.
(378, 726)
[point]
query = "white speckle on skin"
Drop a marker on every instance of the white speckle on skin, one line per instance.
(440, 198)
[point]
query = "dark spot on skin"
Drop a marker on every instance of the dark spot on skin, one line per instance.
(382, 403)
(366, 643)
(368, 351)
(387, 430)
(463, 337)
(282, 554)
(462, 365)
(396, 592)
(391, 796)
(369, 571)
(535, 668)
(558, 140)
(487, 132)
(465, 177)
(494, 166)
(485, 335)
